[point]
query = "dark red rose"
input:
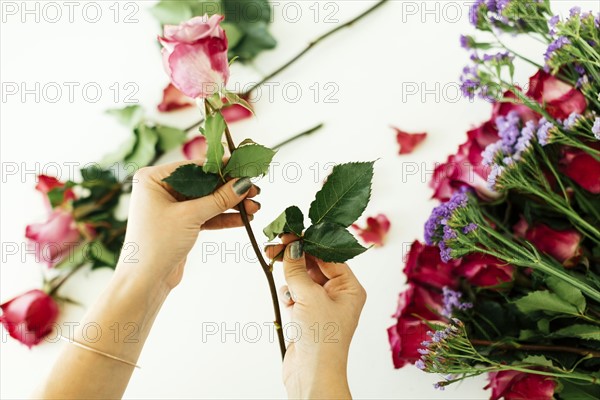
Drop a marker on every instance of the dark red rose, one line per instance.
(484, 270)
(514, 385)
(405, 339)
(375, 231)
(29, 317)
(408, 141)
(417, 301)
(582, 168)
(425, 267)
(558, 98)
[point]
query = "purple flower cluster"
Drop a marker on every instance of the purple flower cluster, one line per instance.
(452, 301)
(489, 153)
(571, 120)
(474, 12)
(496, 171)
(466, 42)
(508, 130)
(524, 141)
(557, 44)
(470, 82)
(596, 128)
(543, 132)
(552, 23)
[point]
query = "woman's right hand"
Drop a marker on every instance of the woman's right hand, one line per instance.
(325, 301)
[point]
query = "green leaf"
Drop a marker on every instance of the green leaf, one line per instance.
(129, 116)
(240, 11)
(538, 360)
(172, 12)
(571, 390)
(234, 34)
(256, 39)
(121, 153)
(344, 196)
(545, 301)
(169, 138)
(192, 182)
(249, 160)
(213, 131)
(582, 331)
(145, 147)
(289, 221)
(234, 98)
(331, 243)
(567, 292)
(102, 255)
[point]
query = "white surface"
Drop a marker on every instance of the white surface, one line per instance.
(372, 63)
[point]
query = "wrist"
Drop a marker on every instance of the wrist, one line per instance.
(325, 378)
(140, 284)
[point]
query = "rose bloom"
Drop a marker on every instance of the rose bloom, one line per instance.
(559, 98)
(582, 168)
(514, 385)
(484, 270)
(425, 267)
(55, 237)
(195, 55)
(29, 317)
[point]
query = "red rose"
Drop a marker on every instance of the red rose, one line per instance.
(513, 385)
(425, 267)
(558, 98)
(29, 317)
(55, 237)
(563, 245)
(484, 270)
(375, 231)
(405, 339)
(582, 168)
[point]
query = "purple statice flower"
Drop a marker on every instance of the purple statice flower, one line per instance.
(423, 351)
(445, 252)
(466, 42)
(502, 4)
(495, 172)
(571, 120)
(524, 142)
(596, 128)
(439, 386)
(420, 364)
(452, 301)
(574, 11)
(508, 130)
(543, 132)
(498, 57)
(469, 228)
(552, 24)
(489, 153)
(440, 215)
(508, 161)
(474, 12)
(449, 233)
(470, 82)
(557, 44)
(597, 21)
(579, 69)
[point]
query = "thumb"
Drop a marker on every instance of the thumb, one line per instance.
(222, 199)
(296, 274)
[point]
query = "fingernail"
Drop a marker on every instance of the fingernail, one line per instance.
(287, 295)
(242, 186)
(295, 250)
(258, 189)
(250, 217)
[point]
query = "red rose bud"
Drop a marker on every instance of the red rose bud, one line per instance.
(562, 245)
(29, 317)
(484, 270)
(376, 230)
(195, 149)
(408, 141)
(55, 237)
(174, 100)
(559, 98)
(425, 267)
(582, 168)
(514, 385)
(195, 55)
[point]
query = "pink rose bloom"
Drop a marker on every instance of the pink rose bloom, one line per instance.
(514, 385)
(375, 231)
(425, 267)
(408, 141)
(29, 317)
(559, 98)
(484, 270)
(195, 55)
(55, 237)
(582, 168)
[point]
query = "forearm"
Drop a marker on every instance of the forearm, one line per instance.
(118, 324)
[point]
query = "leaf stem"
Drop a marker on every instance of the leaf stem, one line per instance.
(65, 277)
(265, 267)
(536, 347)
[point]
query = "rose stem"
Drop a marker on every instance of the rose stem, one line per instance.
(562, 349)
(298, 136)
(65, 278)
(265, 267)
(304, 51)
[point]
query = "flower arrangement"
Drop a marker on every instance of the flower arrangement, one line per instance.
(507, 282)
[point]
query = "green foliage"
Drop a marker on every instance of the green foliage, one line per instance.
(249, 160)
(213, 131)
(581, 331)
(546, 302)
(568, 293)
(289, 221)
(344, 196)
(144, 150)
(169, 138)
(246, 22)
(331, 242)
(192, 182)
(573, 390)
(129, 116)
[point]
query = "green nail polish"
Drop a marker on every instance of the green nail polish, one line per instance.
(242, 186)
(295, 250)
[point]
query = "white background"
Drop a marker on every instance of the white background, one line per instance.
(373, 63)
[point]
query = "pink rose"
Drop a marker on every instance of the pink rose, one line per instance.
(408, 141)
(55, 237)
(425, 267)
(484, 270)
(558, 98)
(195, 55)
(582, 168)
(29, 317)
(375, 231)
(405, 339)
(514, 385)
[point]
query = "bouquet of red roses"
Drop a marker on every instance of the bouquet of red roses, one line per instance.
(508, 280)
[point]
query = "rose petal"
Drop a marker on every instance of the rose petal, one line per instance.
(375, 231)
(174, 100)
(408, 141)
(195, 149)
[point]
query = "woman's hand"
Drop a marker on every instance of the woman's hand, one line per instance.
(162, 230)
(325, 301)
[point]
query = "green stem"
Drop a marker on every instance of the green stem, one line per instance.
(298, 136)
